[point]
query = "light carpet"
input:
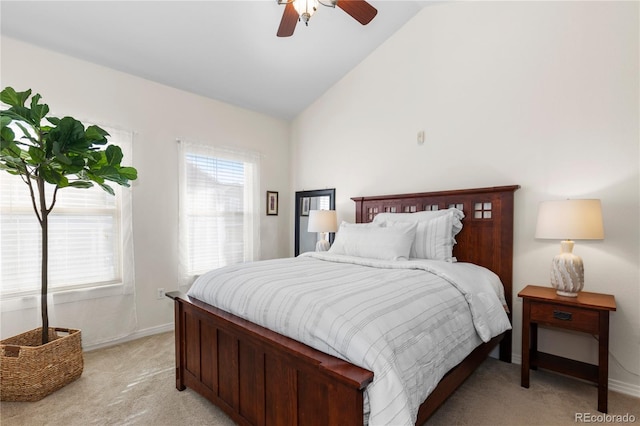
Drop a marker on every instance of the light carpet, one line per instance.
(134, 384)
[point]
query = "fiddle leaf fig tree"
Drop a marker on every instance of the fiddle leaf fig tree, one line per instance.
(57, 152)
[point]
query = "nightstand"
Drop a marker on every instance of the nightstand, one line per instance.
(587, 313)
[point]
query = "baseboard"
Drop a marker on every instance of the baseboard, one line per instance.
(133, 336)
(614, 385)
(625, 388)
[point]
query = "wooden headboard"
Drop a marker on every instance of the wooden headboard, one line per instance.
(486, 238)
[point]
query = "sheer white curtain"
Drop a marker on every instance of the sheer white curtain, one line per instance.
(91, 265)
(219, 208)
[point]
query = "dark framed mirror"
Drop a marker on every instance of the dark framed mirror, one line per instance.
(320, 199)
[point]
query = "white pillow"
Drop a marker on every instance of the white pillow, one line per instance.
(434, 239)
(338, 242)
(422, 216)
(435, 234)
(392, 242)
(345, 224)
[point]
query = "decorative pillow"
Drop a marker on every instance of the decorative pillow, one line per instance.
(435, 233)
(409, 217)
(391, 242)
(338, 245)
(434, 239)
(422, 216)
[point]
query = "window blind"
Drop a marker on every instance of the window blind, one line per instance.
(85, 234)
(219, 202)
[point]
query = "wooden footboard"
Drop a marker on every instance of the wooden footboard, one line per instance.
(259, 377)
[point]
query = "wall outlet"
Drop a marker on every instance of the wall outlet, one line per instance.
(160, 293)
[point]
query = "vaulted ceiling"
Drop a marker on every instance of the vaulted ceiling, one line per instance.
(225, 50)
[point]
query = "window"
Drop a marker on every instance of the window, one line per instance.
(87, 233)
(219, 205)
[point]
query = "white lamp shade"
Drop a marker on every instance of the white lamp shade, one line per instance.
(570, 220)
(322, 221)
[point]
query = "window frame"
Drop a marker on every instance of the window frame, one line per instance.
(119, 210)
(249, 213)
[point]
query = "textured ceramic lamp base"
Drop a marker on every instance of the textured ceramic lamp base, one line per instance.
(567, 271)
(323, 244)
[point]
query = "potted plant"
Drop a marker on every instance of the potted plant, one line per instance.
(62, 153)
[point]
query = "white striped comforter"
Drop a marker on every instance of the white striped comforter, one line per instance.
(407, 321)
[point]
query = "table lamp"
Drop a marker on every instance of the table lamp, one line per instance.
(322, 221)
(569, 220)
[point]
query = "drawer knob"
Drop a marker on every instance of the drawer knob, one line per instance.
(561, 315)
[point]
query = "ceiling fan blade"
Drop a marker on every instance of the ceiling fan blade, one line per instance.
(288, 22)
(359, 10)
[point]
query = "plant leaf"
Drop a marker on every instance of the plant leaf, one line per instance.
(19, 113)
(52, 176)
(10, 97)
(129, 173)
(11, 150)
(6, 137)
(96, 135)
(12, 162)
(38, 111)
(25, 133)
(36, 155)
(63, 159)
(114, 155)
(81, 184)
(76, 166)
(107, 188)
(91, 176)
(106, 171)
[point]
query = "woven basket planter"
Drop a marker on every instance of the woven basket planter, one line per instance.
(29, 370)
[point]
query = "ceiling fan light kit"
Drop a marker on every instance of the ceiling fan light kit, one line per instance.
(306, 9)
(303, 10)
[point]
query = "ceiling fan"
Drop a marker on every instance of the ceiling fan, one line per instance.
(302, 10)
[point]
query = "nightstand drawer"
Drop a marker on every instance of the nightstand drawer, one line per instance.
(569, 317)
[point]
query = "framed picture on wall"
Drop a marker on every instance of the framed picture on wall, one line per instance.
(304, 207)
(272, 203)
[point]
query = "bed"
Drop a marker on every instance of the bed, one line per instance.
(258, 376)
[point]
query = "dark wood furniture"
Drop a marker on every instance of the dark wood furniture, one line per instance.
(259, 377)
(588, 313)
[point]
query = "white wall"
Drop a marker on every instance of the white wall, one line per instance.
(158, 115)
(540, 94)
